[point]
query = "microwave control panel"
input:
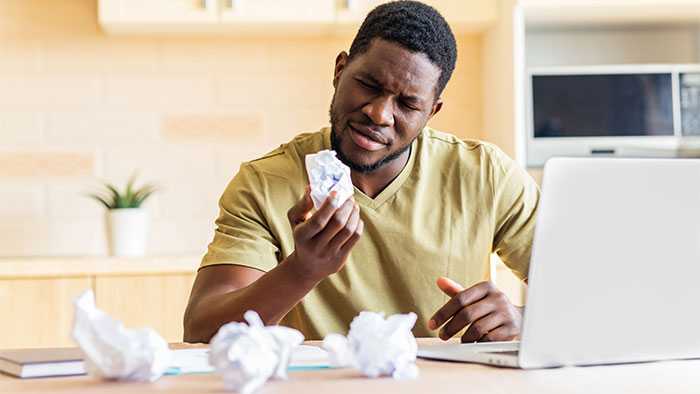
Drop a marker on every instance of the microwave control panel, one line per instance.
(690, 103)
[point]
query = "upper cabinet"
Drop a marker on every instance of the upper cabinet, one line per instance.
(616, 12)
(467, 16)
(270, 16)
(158, 11)
(278, 11)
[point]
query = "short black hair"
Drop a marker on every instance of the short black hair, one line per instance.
(415, 26)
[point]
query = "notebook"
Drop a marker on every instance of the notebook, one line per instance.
(34, 363)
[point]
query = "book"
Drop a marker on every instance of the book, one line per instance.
(35, 363)
(40, 363)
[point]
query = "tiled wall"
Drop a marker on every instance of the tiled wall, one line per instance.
(77, 106)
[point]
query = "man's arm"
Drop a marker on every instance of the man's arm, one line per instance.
(323, 241)
(223, 293)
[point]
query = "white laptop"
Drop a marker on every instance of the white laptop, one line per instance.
(615, 269)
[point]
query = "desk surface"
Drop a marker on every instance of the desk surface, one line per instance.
(435, 377)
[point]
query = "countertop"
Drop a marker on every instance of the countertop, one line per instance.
(52, 267)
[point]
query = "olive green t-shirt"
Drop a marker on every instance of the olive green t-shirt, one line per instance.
(453, 204)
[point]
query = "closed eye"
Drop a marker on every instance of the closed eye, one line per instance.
(368, 85)
(408, 106)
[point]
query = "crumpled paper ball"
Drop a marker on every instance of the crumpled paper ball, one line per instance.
(377, 346)
(326, 174)
(113, 351)
(247, 355)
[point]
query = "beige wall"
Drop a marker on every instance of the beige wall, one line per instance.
(77, 106)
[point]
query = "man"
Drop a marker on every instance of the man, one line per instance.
(426, 206)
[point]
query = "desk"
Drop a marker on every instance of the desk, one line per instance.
(435, 377)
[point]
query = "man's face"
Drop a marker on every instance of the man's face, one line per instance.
(383, 99)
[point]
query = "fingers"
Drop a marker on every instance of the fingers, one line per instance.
(448, 286)
(300, 211)
(483, 326)
(347, 247)
(465, 317)
(318, 221)
(459, 301)
(337, 223)
(347, 230)
(506, 332)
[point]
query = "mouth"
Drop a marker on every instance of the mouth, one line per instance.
(366, 138)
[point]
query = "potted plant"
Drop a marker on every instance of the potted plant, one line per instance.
(127, 221)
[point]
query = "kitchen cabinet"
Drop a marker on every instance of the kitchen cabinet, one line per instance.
(463, 16)
(156, 301)
(38, 312)
(277, 11)
(258, 17)
(36, 295)
(265, 17)
(158, 11)
(616, 12)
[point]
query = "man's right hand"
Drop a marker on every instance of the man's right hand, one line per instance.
(322, 241)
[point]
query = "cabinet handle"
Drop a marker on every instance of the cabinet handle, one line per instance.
(348, 4)
(208, 5)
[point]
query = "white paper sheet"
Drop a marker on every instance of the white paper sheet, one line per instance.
(187, 361)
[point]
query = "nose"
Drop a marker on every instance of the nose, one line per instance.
(380, 111)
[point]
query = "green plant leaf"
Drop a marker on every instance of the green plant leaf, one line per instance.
(116, 196)
(131, 197)
(129, 192)
(100, 199)
(142, 197)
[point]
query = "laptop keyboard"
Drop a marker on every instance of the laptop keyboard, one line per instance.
(505, 352)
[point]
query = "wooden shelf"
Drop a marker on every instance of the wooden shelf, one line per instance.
(63, 267)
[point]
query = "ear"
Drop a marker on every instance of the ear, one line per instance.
(340, 62)
(437, 106)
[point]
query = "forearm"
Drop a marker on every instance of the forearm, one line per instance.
(272, 296)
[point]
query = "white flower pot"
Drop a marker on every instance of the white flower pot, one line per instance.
(127, 231)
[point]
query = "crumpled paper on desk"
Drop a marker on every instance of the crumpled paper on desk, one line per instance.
(247, 355)
(327, 174)
(113, 351)
(377, 346)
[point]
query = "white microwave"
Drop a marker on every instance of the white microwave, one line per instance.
(623, 111)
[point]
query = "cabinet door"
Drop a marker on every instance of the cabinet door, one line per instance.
(159, 11)
(467, 16)
(278, 11)
(463, 16)
(354, 11)
(584, 12)
(156, 301)
(38, 312)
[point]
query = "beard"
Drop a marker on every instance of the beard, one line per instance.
(336, 144)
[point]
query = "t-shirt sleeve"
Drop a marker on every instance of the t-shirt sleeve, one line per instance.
(242, 236)
(516, 199)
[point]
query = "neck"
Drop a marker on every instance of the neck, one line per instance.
(371, 184)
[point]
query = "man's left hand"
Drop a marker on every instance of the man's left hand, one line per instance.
(485, 309)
